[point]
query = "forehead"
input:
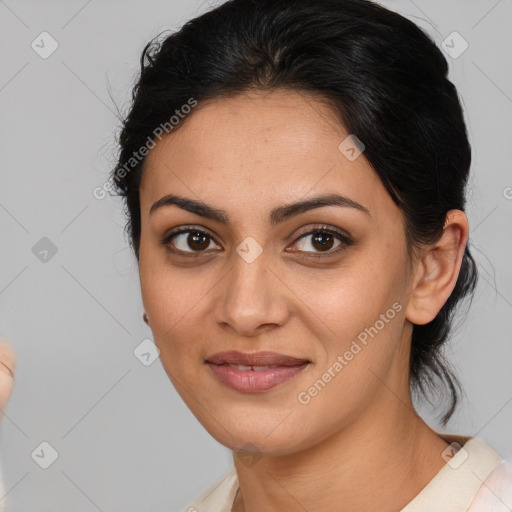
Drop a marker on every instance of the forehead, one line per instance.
(256, 150)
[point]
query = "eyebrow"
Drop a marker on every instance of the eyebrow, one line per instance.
(277, 215)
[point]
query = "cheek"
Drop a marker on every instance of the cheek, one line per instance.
(349, 298)
(165, 293)
(174, 300)
(358, 306)
(169, 305)
(357, 359)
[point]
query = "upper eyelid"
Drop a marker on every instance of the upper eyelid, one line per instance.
(185, 229)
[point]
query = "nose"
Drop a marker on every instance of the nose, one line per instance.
(252, 297)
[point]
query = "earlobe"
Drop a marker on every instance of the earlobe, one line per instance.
(145, 318)
(438, 270)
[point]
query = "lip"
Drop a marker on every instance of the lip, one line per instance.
(283, 368)
(254, 359)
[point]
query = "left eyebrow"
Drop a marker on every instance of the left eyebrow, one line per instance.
(277, 215)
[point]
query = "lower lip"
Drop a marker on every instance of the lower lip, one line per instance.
(251, 381)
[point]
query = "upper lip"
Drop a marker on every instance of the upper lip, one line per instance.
(254, 359)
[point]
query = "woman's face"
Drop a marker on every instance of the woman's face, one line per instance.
(263, 276)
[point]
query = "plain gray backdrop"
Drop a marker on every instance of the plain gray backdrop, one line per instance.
(69, 291)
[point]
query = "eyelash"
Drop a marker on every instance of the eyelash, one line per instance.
(345, 241)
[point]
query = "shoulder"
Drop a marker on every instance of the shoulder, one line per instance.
(495, 494)
(218, 497)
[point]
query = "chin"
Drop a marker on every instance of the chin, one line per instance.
(257, 441)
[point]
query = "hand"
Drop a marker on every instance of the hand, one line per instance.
(7, 369)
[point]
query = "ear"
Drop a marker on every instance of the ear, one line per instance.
(437, 270)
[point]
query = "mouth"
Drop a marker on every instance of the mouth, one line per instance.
(256, 372)
(255, 359)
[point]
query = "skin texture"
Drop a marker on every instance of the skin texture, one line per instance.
(358, 441)
(7, 369)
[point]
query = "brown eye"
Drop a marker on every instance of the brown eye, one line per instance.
(188, 241)
(322, 240)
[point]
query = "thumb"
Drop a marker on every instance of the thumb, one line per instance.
(7, 370)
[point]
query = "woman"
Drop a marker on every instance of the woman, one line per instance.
(294, 174)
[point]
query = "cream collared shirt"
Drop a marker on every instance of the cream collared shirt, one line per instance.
(474, 479)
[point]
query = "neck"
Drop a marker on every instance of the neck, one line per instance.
(381, 461)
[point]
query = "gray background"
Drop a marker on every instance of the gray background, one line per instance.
(125, 440)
